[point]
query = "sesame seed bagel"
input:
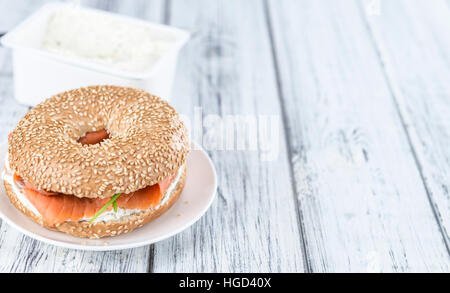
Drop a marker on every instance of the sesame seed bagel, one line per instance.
(101, 228)
(147, 142)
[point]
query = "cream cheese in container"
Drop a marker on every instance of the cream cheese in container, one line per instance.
(61, 47)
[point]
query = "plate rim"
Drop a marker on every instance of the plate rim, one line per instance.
(83, 247)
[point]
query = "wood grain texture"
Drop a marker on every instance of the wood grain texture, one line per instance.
(419, 75)
(226, 69)
(19, 253)
(360, 193)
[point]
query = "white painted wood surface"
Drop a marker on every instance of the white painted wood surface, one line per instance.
(360, 192)
(420, 80)
(362, 177)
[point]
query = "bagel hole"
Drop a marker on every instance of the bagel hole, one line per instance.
(94, 137)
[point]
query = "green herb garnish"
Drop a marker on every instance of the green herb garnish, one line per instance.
(115, 206)
(111, 201)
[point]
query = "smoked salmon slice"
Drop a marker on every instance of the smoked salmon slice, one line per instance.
(17, 177)
(58, 208)
(94, 137)
(145, 198)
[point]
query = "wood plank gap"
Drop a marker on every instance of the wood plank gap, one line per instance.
(394, 93)
(304, 243)
(166, 12)
(151, 258)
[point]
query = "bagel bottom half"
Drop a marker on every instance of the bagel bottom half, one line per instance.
(102, 229)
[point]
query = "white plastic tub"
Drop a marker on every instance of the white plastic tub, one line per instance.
(39, 74)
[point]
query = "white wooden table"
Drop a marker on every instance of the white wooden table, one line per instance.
(361, 91)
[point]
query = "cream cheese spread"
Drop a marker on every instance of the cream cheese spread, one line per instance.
(7, 175)
(105, 39)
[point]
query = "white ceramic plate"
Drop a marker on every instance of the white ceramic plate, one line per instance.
(197, 196)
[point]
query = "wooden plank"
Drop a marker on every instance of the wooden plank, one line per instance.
(226, 69)
(19, 253)
(10, 110)
(419, 74)
(361, 197)
(153, 10)
(13, 12)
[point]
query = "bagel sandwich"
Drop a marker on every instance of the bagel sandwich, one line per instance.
(97, 161)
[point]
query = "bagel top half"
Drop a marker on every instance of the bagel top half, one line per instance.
(147, 142)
